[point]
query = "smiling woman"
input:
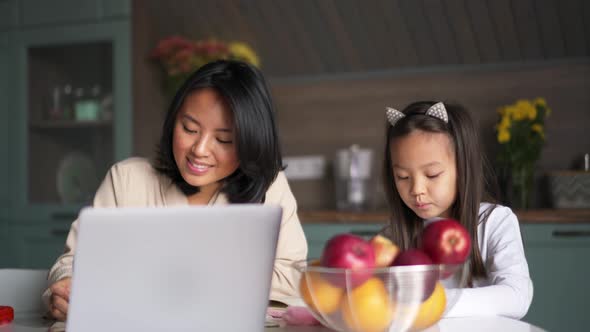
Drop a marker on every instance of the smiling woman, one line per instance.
(219, 145)
(203, 143)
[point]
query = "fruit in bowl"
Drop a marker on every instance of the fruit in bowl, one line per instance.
(351, 252)
(422, 283)
(318, 293)
(368, 307)
(393, 299)
(372, 285)
(431, 310)
(446, 242)
(385, 250)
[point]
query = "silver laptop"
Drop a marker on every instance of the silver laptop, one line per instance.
(173, 269)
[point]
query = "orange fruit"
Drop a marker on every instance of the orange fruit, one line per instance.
(431, 310)
(368, 307)
(319, 294)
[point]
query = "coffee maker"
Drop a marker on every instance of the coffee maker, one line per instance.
(352, 172)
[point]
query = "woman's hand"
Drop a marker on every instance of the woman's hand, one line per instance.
(60, 298)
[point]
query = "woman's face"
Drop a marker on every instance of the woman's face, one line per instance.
(203, 143)
(425, 173)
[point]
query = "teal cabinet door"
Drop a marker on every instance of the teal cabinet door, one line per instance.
(318, 234)
(8, 14)
(35, 12)
(40, 12)
(558, 262)
(4, 109)
(32, 244)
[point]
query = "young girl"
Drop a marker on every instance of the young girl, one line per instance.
(434, 168)
(219, 145)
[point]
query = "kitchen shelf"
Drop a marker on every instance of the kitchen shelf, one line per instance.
(67, 124)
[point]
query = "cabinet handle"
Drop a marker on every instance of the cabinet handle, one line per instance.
(59, 232)
(570, 234)
(364, 233)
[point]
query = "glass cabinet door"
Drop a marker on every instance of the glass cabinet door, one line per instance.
(74, 113)
(70, 121)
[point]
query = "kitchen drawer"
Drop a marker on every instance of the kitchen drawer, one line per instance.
(318, 234)
(31, 241)
(568, 235)
(557, 255)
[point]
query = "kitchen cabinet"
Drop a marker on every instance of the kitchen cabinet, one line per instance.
(6, 106)
(8, 14)
(557, 255)
(66, 116)
(39, 12)
(33, 244)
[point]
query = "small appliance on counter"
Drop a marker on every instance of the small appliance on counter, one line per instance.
(571, 189)
(352, 172)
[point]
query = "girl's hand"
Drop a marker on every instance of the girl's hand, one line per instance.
(60, 298)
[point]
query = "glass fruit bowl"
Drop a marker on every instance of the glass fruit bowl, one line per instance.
(399, 298)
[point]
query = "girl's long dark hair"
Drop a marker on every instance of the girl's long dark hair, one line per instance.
(472, 182)
(244, 89)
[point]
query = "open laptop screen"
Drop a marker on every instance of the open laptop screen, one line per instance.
(205, 268)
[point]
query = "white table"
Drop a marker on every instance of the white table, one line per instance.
(33, 323)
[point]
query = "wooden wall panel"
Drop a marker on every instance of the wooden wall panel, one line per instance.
(443, 39)
(399, 35)
(571, 19)
(421, 32)
(506, 33)
(527, 29)
(376, 35)
(463, 30)
(483, 28)
(586, 20)
(550, 27)
(319, 37)
(339, 33)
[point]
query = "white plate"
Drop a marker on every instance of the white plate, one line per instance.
(76, 178)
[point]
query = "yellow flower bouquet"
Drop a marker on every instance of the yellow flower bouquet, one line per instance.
(179, 57)
(521, 135)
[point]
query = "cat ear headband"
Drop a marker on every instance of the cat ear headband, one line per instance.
(437, 110)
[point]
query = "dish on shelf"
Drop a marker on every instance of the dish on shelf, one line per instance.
(76, 178)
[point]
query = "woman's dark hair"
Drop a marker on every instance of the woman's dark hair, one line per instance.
(472, 176)
(244, 89)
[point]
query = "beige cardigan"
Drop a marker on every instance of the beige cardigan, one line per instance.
(133, 182)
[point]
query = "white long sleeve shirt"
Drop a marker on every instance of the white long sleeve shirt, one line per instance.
(508, 289)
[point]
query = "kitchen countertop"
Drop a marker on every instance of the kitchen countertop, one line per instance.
(536, 216)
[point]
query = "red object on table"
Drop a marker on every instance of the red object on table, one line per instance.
(6, 315)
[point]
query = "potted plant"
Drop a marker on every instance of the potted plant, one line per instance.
(521, 135)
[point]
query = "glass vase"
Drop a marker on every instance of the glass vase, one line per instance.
(522, 183)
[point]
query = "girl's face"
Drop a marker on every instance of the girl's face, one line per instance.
(425, 173)
(203, 143)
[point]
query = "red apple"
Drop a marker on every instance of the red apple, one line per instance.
(446, 242)
(417, 284)
(347, 251)
(385, 250)
(412, 257)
